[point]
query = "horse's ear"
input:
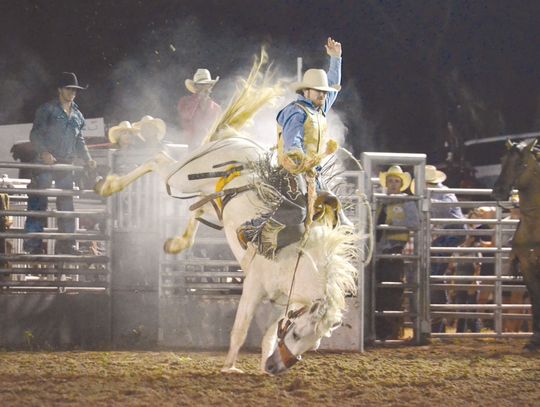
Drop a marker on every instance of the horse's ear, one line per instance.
(508, 144)
(295, 314)
(314, 307)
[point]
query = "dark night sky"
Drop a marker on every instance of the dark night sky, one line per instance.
(410, 67)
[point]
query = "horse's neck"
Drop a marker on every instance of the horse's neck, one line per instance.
(529, 190)
(529, 203)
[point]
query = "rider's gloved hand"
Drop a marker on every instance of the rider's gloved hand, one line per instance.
(294, 161)
(331, 146)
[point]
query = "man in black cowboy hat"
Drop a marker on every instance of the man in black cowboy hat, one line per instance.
(57, 138)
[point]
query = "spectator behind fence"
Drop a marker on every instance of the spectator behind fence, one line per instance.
(434, 179)
(395, 213)
(198, 112)
(57, 138)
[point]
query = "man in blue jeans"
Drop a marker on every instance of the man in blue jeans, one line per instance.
(57, 138)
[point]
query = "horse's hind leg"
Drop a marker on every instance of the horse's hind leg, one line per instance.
(251, 297)
(114, 183)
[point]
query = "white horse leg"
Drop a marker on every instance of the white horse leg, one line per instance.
(115, 183)
(175, 245)
(251, 297)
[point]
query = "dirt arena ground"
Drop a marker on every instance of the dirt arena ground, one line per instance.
(461, 373)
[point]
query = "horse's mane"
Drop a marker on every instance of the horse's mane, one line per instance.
(255, 92)
(334, 251)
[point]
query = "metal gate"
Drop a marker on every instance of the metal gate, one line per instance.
(50, 300)
(420, 284)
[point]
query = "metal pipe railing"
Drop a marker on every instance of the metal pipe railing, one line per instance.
(53, 167)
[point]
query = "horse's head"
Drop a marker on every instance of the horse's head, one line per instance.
(518, 164)
(300, 331)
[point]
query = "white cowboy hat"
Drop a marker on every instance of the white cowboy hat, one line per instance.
(433, 175)
(396, 171)
(151, 128)
(315, 79)
(201, 77)
(123, 127)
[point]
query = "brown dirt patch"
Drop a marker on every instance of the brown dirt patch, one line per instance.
(459, 373)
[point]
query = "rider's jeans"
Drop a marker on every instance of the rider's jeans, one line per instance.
(42, 180)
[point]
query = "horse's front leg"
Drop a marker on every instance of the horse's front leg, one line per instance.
(175, 245)
(531, 276)
(533, 286)
(250, 299)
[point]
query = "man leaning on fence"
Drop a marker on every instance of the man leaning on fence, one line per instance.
(57, 138)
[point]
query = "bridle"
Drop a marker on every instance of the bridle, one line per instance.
(521, 168)
(287, 357)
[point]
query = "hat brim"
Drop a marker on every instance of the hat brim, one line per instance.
(405, 178)
(439, 177)
(299, 86)
(75, 87)
(191, 84)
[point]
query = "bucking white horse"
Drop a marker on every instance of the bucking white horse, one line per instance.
(312, 277)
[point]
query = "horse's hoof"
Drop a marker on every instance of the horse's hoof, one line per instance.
(98, 187)
(171, 246)
(263, 371)
(233, 370)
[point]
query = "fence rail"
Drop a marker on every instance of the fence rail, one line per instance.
(23, 272)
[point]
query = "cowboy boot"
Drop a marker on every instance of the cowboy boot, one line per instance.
(241, 235)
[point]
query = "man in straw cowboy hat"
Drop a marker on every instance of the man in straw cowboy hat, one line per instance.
(302, 144)
(302, 127)
(57, 138)
(395, 213)
(197, 112)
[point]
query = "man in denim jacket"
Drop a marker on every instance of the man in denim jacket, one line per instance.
(57, 138)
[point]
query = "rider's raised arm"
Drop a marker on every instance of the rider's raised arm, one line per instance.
(333, 49)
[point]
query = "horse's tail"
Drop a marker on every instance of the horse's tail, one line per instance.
(255, 92)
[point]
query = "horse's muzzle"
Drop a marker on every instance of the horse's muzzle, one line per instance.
(499, 193)
(281, 360)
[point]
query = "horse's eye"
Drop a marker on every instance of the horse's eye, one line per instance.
(295, 336)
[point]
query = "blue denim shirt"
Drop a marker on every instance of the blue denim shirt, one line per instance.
(453, 212)
(292, 117)
(59, 134)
